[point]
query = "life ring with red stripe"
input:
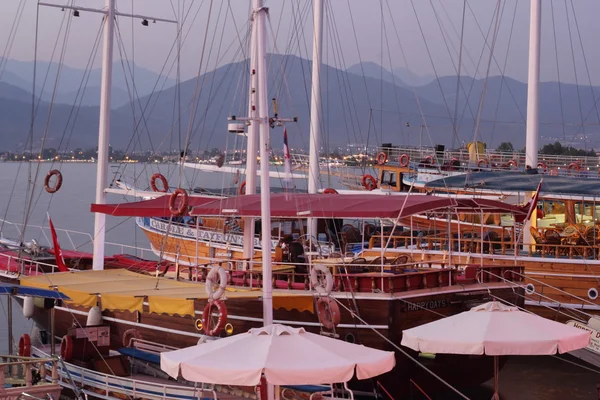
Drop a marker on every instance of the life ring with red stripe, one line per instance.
(381, 158)
(369, 182)
(25, 345)
(242, 189)
(57, 185)
(328, 312)
(404, 160)
(161, 178)
(66, 348)
(573, 166)
(181, 208)
(483, 163)
(330, 191)
(542, 165)
(130, 334)
(221, 321)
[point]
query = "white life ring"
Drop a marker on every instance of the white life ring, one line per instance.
(210, 282)
(317, 284)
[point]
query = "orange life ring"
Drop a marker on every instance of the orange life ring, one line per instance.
(574, 166)
(162, 178)
(206, 321)
(512, 163)
(328, 312)
(25, 345)
(369, 182)
(381, 158)
(428, 160)
(483, 163)
(57, 185)
(183, 203)
(542, 165)
(242, 189)
(130, 334)
(403, 160)
(66, 348)
(330, 191)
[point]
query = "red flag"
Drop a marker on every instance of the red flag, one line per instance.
(287, 161)
(534, 200)
(60, 262)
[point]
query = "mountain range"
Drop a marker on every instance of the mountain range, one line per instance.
(358, 107)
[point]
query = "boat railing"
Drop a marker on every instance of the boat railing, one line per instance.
(18, 373)
(14, 264)
(499, 244)
(76, 240)
(92, 383)
(360, 275)
(549, 161)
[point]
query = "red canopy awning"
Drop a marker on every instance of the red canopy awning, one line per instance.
(347, 206)
(158, 207)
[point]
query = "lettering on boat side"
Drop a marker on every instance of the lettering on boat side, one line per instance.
(426, 305)
(594, 339)
(209, 236)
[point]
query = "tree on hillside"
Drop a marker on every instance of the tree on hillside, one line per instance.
(560, 150)
(505, 147)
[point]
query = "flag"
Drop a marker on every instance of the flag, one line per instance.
(60, 262)
(534, 200)
(287, 161)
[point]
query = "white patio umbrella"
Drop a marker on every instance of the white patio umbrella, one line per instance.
(496, 330)
(286, 356)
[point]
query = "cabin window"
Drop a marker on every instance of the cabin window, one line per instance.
(389, 178)
(586, 212)
(551, 214)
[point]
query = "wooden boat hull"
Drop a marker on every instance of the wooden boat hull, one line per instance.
(387, 315)
(556, 288)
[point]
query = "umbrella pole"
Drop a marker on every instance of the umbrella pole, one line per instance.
(496, 396)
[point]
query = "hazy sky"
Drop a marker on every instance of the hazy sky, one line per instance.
(421, 35)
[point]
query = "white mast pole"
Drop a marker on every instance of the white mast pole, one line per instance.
(104, 134)
(252, 145)
(260, 13)
(315, 108)
(533, 84)
(533, 98)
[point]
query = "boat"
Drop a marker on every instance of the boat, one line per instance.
(558, 248)
(24, 376)
(326, 293)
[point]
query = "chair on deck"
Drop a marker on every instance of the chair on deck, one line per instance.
(376, 264)
(356, 266)
(398, 264)
(538, 238)
(553, 239)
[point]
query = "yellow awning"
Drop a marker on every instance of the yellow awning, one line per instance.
(126, 290)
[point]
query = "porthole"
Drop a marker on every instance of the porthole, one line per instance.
(198, 324)
(530, 289)
(593, 293)
(349, 337)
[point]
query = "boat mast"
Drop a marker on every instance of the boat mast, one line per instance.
(315, 108)
(260, 15)
(110, 13)
(252, 145)
(104, 134)
(533, 84)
